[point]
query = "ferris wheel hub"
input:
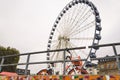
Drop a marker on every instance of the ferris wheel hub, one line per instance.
(64, 38)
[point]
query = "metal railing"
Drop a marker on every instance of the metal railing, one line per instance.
(113, 45)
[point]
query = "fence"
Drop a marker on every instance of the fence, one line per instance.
(113, 45)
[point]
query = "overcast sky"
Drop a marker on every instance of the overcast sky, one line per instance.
(26, 24)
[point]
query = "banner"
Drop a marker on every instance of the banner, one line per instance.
(62, 77)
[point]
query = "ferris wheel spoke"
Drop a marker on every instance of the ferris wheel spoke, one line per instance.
(62, 28)
(61, 25)
(65, 24)
(84, 52)
(54, 41)
(79, 51)
(55, 54)
(56, 45)
(77, 18)
(85, 17)
(78, 25)
(83, 28)
(72, 46)
(72, 14)
(81, 17)
(68, 21)
(58, 31)
(68, 16)
(82, 38)
(59, 55)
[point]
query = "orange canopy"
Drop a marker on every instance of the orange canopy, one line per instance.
(8, 74)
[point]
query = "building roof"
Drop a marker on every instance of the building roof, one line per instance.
(107, 59)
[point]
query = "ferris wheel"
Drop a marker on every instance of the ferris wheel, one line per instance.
(78, 24)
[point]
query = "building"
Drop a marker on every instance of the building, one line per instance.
(108, 65)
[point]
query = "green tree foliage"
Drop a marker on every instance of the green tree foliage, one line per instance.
(9, 60)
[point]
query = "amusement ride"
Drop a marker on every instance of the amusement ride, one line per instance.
(78, 24)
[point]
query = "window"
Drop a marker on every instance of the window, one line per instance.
(102, 66)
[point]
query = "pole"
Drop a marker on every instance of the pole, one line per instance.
(64, 63)
(117, 58)
(2, 61)
(28, 58)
